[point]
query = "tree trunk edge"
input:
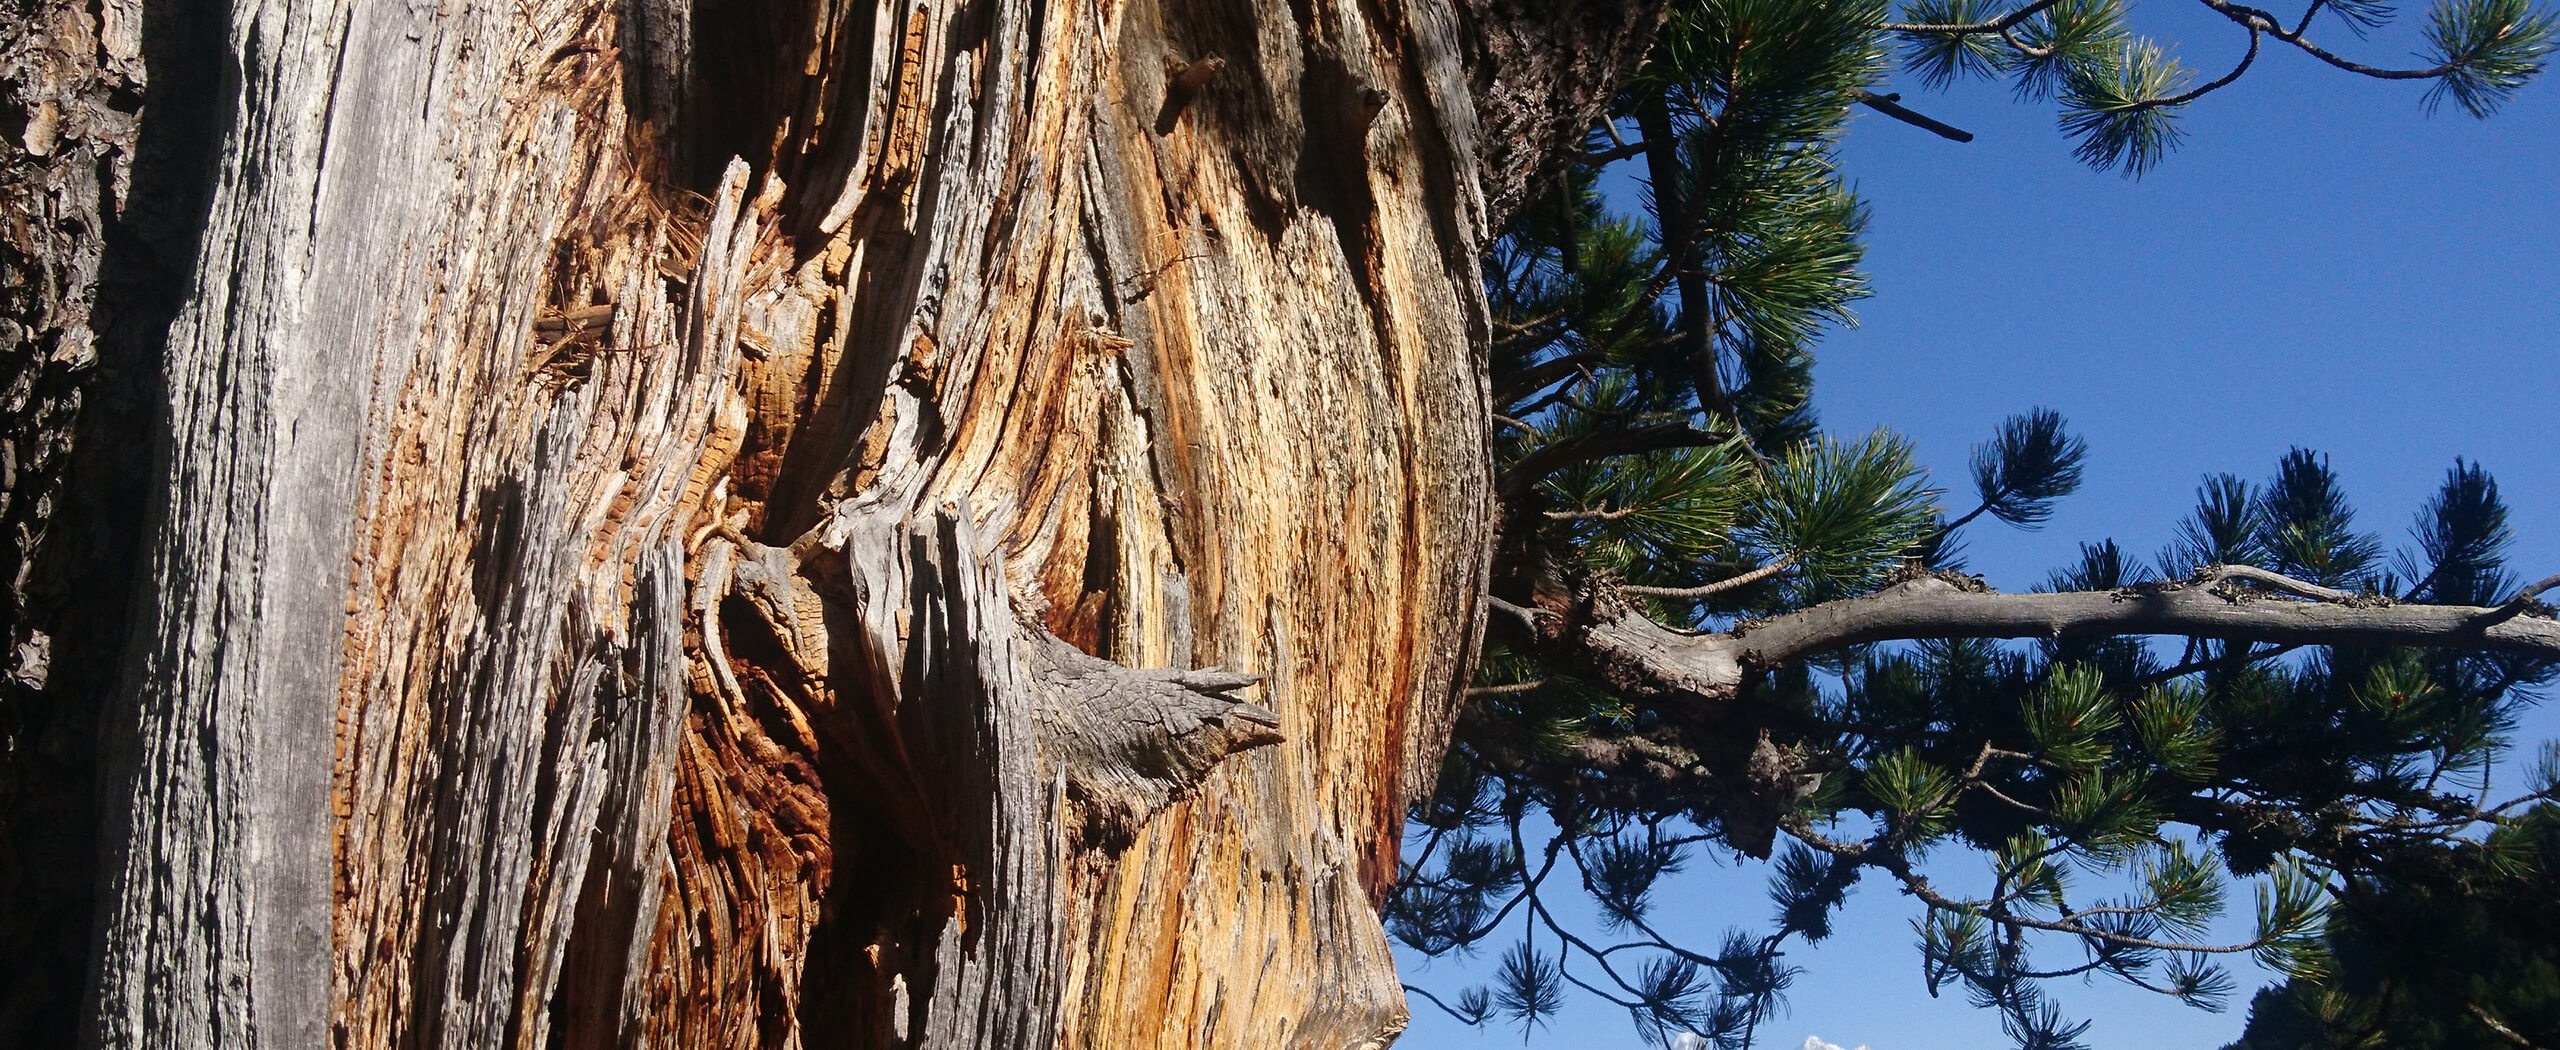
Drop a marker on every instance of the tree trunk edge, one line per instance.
(618, 876)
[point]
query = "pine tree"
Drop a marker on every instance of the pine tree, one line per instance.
(1663, 464)
(2446, 961)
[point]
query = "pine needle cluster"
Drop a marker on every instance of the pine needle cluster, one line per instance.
(2119, 93)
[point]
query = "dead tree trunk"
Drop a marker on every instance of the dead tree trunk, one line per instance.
(750, 524)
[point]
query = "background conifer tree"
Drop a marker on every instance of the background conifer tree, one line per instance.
(2459, 959)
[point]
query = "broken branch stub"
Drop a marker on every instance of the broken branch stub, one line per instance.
(1131, 742)
(1019, 765)
(1123, 743)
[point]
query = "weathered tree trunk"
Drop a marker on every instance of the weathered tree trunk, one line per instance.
(661, 515)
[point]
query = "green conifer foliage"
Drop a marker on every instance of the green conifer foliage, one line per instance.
(1660, 452)
(2436, 963)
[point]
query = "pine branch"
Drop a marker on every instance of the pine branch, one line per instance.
(2247, 59)
(1545, 374)
(2533, 589)
(1619, 514)
(1619, 152)
(2224, 662)
(1994, 25)
(1719, 586)
(1547, 459)
(1675, 221)
(2524, 601)
(2260, 20)
(2490, 1021)
(1631, 652)
(1463, 1017)
(1897, 863)
(1891, 106)
(2278, 581)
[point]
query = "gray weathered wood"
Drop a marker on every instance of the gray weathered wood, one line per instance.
(1636, 653)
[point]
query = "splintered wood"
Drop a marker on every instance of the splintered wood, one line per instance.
(890, 545)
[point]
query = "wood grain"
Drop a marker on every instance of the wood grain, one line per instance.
(828, 524)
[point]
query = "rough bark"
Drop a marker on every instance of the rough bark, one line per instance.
(657, 514)
(1544, 75)
(72, 162)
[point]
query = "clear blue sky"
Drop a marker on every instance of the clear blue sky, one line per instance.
(2322, 264)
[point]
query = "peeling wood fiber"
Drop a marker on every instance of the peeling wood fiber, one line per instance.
(806, 522)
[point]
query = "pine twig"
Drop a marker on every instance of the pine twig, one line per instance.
(1891, 106)
(1719, 586)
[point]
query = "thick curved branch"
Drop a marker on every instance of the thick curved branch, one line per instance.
(1935, 608)
(1633, 653)
(1131, 741)
(1077, 742)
